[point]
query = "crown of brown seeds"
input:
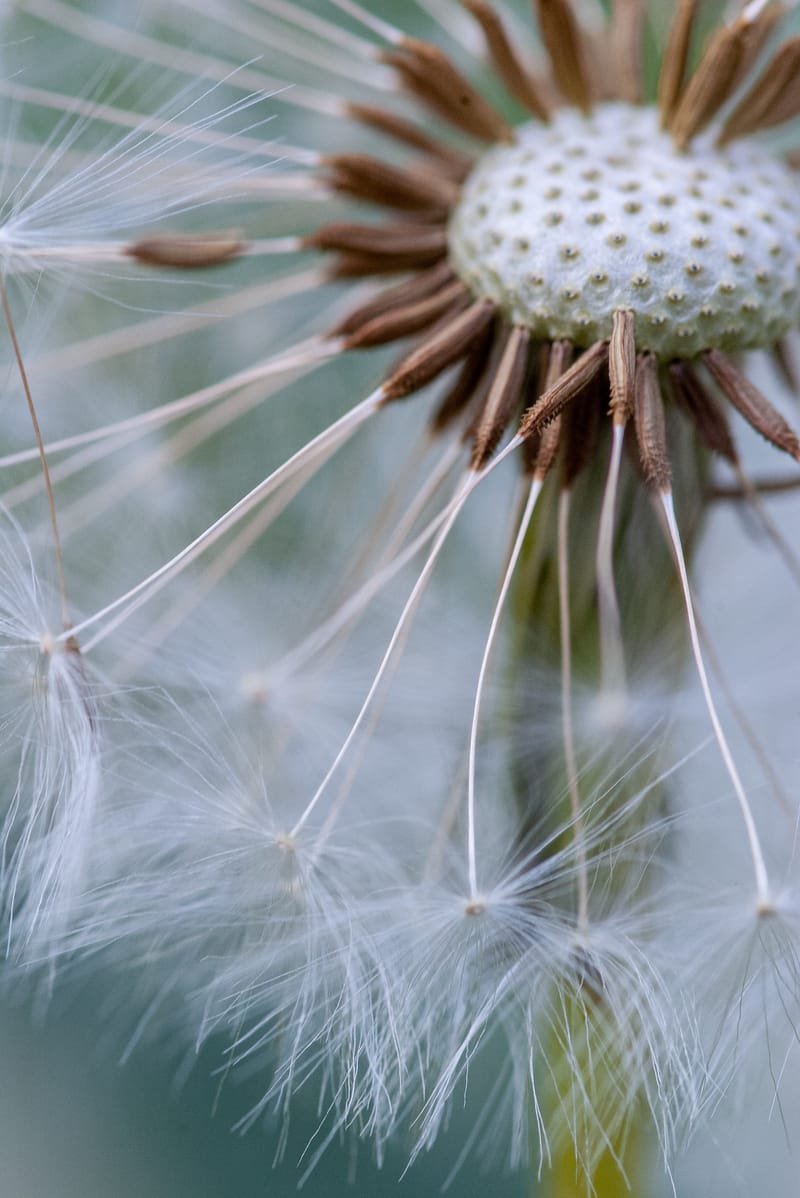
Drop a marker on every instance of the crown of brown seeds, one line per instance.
(504, 373)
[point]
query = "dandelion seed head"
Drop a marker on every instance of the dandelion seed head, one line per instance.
(364, 838)
(592, 213)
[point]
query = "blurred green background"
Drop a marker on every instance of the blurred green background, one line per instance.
(77, 1123)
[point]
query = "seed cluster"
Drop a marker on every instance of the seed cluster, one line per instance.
(592, 214)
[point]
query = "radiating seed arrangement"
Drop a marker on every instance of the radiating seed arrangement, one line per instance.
(567, 246)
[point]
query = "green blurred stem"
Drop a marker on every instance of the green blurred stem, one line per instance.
(550, 775)
(617, 1175)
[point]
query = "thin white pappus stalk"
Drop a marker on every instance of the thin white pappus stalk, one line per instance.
(326, 57)
(754, 9)
(15, 496)
(406, 614)
(20, 152)
(336, 625)
(592, 14)
(196, 432)
(225, 183)
(176, 58)
(98, 498)
(326, 31)
(462, 495)
(294, 186)
(265, 246)
(567, 730)
(612, 656)
(527, 515)
(746, 728)
(340, 432)
(98, 502)
(357, 757)
(393, 543)
(385, 31)
(435, 480)
(190, 437)
(137, 122)
(756, 853)
(454, 21)
(156, 330)
(21, 257)
(334, 642)
(313, 351)
(325, 633)
(215, 572)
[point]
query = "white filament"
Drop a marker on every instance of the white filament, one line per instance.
(756, 853)
(527, 516)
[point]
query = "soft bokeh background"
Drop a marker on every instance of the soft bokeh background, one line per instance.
(77, 1123)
